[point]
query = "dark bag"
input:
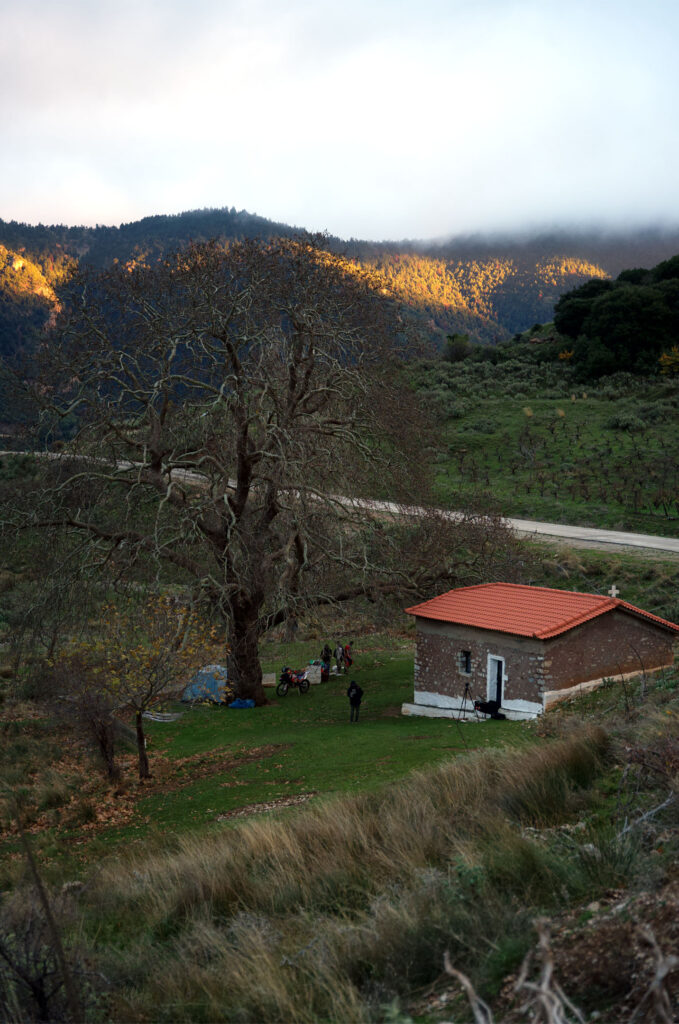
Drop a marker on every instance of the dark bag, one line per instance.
(489, 707)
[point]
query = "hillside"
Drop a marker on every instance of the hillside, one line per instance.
(488, 298)
(518, 428)
(27, 297)
(46, 254)
(486, 288)
(292, 867)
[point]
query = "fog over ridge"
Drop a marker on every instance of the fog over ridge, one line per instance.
(402, 120)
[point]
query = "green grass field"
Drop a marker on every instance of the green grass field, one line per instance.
(545, 448)
(226, 894)
(300, 745)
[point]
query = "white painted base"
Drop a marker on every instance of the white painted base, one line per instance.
(422, 711)
(520, 710)
(514, 710)
(440, 705)
(442, 700)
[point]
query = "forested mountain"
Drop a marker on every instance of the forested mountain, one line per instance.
(490, 298)
(488, 288)
(142, 238)
(27, 297)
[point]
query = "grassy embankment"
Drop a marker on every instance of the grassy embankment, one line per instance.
(342, 910)
(544, 447)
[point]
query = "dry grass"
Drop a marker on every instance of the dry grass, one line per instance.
(333, 912)
(344, 910)
(271, 866)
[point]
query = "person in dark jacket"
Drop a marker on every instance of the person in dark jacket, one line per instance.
(355, 694)
(326, 655)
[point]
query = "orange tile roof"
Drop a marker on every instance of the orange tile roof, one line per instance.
(538, 612)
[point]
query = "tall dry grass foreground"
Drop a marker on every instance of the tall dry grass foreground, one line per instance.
(335, 912)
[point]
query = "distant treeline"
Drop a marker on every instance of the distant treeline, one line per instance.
(485, 288)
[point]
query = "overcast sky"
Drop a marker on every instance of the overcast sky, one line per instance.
(368, 118)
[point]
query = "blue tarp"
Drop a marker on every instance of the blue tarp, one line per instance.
(242, 702)
(209, 683)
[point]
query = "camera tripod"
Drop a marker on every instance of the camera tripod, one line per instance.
(467, 696)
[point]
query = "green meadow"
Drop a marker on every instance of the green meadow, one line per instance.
(214, 765)
(538, 445)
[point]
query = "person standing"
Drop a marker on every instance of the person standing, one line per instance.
(326, 655)
(355, 695)
(339, 656)
(348, 655)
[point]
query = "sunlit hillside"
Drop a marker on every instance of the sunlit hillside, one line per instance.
(487, 298)
(26, 298)
(488, 289)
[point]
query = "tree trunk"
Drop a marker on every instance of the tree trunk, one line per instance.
(291, 627)
(244, 664)
(104, 736)
(144, 772)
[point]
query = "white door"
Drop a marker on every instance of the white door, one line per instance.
(496, 673)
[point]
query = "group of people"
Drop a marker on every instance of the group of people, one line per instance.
(343, 655)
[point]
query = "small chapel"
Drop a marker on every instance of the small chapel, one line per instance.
(519, 647)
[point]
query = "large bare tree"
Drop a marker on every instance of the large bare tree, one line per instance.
(223, 403)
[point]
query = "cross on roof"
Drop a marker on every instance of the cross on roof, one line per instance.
(614, 591)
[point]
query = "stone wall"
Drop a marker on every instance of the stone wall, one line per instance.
(438, 667)
(609, 645)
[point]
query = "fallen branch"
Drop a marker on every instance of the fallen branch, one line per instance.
(482, 1012)
(548, 1003)
(657, 993)
(649, 814)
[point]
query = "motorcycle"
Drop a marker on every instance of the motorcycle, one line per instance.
(289, 677)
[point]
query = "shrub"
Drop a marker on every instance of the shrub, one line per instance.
(656, 412)
(52, 791)
(625, 420)
(456, 408)
(607, 860)
(31, 981)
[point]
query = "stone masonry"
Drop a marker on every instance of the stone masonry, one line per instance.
(609, 645)
(438, 661)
